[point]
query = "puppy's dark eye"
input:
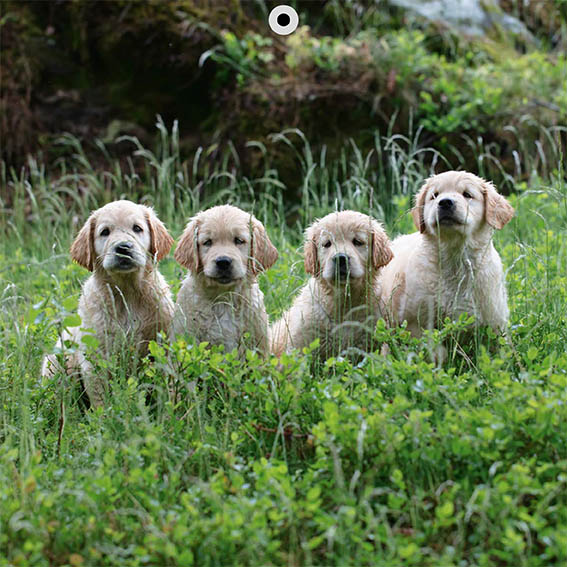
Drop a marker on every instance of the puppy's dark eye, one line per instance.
(238, 241)
(207, 242)
(105, 232)
(467, 195)
(137, 228)
(327, 244)
(434, 195)
(357, 242)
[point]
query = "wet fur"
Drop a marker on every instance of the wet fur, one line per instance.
(338, 315)
(222, 314)
(125, 311)
(443, 272)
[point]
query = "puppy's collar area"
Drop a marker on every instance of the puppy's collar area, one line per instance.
(458, 250)
(458, 234)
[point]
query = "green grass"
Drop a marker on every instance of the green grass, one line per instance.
(385, 462)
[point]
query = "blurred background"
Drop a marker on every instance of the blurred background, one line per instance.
(459, 77)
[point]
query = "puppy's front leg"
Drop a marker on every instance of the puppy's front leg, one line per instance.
(438, 355)
(94, 385)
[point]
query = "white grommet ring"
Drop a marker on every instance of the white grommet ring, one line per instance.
(283, 19)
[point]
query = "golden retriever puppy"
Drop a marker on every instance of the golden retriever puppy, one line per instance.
(340, 303)
(450, 266)
(126, 301)
(224, 248)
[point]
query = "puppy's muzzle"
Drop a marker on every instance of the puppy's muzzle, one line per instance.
(446, 211)
(124, 255)
(124, 249)
(224, 269)
(341, 263)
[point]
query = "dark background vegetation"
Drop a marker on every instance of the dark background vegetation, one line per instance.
(98, 69)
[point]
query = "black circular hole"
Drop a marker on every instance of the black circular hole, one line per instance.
(283, 20)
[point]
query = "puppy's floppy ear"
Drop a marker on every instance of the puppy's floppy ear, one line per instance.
(311, 260)
(417, 211)
(381, 251)
(161, 240)
(497, 211)
(187, 251)
(82, 249)
(264, 253)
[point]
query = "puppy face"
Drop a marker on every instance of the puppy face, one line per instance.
(121, 237)
(345, 245)
(225, 245)
(458, 202)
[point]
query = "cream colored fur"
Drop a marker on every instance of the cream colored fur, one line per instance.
(340, 312)
(126, 301)
(220, 307)
(450, 266)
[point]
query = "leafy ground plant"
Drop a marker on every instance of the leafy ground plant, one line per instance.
(199, 459)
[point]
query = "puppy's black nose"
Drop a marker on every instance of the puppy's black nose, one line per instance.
(223, 263)
(446, 204)
(124, 248)
(341, 262)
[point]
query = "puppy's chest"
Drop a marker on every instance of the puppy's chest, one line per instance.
(133, 322)
(221, 323)
(345, 326)
(337, 310)
(453, 292)
(458, 295)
